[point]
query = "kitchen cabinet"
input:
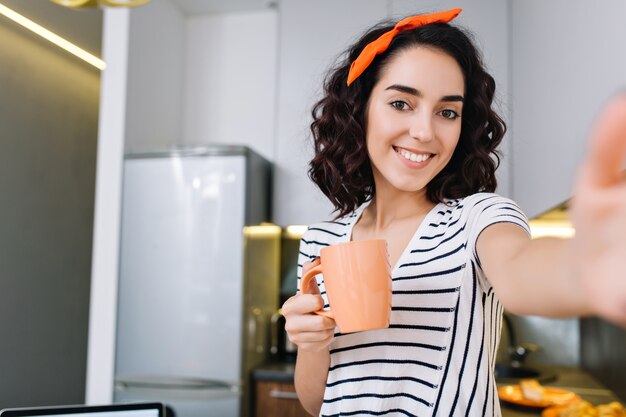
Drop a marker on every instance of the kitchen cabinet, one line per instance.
(560, 79)
(274, 391)
(277, 398)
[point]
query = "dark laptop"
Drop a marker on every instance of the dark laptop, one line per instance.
(113, 410)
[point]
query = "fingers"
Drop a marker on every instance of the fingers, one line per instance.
(314, 341)
(303, 304)
(305, 328)
(309, 323)
(310, 286)
(310, 331)
(607, 147)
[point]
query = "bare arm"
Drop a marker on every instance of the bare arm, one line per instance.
(312, 334)
(531, 277)
(310, 379)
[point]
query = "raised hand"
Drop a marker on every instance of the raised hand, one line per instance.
(599, 216)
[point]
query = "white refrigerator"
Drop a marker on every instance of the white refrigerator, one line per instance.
(197, 284)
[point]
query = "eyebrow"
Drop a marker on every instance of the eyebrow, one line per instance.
(417, 93)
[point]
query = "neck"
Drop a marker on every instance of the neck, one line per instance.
(391, 206)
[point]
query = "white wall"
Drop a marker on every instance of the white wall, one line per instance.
(111, 134)
(141, 108)
(230, 79)
(156, 73)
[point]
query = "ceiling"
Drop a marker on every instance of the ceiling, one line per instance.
(82, 27)
(193, 7)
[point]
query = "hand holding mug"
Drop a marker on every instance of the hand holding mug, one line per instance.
(357, 279)
(308, 331)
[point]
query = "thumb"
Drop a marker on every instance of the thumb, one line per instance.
(607, 144)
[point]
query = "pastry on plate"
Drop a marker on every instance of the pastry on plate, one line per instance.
(532, 390)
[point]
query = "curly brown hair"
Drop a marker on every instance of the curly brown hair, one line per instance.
(341, 167)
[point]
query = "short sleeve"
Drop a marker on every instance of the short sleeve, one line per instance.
(486, 209)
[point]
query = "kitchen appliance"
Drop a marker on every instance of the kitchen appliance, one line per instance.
(282, 349)
(198, 282)
(110, 410)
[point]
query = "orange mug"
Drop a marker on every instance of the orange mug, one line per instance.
(357, 278)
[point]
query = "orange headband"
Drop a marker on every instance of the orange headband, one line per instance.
(381, 44)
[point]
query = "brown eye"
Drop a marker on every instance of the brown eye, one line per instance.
(399, 105)
(449, 114)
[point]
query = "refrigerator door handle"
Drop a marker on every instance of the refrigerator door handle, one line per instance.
(154, 382)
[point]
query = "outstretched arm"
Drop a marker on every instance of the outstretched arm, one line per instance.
(578, 276)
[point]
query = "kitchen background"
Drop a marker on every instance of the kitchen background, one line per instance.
(244, 72)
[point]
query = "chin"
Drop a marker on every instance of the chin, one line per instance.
(410, 187)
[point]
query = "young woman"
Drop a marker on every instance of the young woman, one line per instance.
(405, 149)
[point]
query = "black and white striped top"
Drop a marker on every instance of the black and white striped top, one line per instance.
(437, 356)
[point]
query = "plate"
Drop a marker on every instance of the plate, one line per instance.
(551, 396)
(553, 411)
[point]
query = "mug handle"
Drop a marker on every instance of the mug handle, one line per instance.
(308, 276)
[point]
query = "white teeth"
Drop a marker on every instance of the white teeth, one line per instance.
(414, 157)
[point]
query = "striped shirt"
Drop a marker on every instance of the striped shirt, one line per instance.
(438, 354)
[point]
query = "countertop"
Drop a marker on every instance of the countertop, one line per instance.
(571, 379)
(568, 378)
(274, 371)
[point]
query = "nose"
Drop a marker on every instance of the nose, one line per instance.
(421, 126)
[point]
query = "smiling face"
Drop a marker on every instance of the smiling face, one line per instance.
(413, 120)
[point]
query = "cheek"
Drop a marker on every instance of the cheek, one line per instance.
(451, 147)
(377, 131)
(451, 136)
(382, 132)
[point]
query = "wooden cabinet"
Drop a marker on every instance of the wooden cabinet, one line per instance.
(277, 399)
